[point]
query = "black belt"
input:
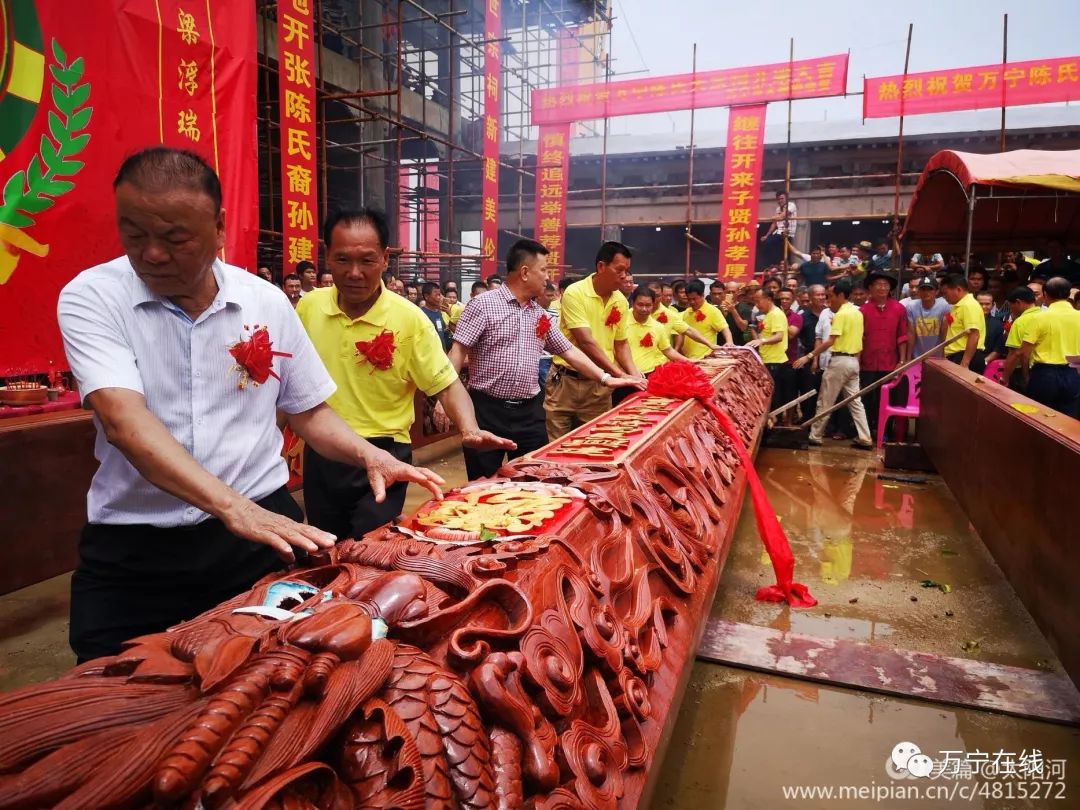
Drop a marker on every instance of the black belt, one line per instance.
(843, 354)
(1049, 365)
(509, 403)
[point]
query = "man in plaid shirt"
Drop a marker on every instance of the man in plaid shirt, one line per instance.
(502, 333)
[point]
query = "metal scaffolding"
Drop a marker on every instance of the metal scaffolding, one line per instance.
(400, 111)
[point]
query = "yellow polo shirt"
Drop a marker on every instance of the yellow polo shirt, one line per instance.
(710, 326)
(647, 358)
(775, 321)
(672, 322)
(966, 313)
(847, 328)
(1056, 334)
(455, 313)
(374, 402)
(581, 307)
(1022, 327)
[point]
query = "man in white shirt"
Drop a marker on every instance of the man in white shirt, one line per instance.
(781, 227)
(185, 362)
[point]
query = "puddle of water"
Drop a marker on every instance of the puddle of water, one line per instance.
(742, 737)
(863, 545)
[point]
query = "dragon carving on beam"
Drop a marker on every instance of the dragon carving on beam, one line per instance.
(524, 643)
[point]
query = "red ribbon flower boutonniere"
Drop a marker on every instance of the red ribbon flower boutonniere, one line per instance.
(543, 326)
(379, 351)
(662, 317)
(255, 357)
(699, 316)
(948, 319)
(613, 317)
(647, 340)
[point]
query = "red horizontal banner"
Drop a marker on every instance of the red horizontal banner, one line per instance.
(806, 78)
(1013, 84)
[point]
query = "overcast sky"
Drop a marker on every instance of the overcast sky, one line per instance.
(659, 35)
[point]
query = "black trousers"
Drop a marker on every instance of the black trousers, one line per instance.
(978, 360)
(783, 376)
(771, 251)
(338, 497)
(1056, 387)
(807, 380)
(133, 580)
(521, 422)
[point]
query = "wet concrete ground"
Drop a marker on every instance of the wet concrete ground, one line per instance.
(861, 545)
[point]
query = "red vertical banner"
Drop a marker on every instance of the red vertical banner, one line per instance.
(549, 217)
(296, 100)
(76, 98)
(742, 192)
(489, 202)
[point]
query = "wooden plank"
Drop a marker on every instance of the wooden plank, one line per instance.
(962, 682)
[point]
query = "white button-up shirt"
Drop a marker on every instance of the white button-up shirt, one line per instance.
(118, 334)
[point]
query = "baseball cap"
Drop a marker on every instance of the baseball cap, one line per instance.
(927, 281)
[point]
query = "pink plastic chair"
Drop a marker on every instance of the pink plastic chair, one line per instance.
(995, 370)
(914, 377)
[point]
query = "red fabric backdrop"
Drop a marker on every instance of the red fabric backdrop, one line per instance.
(179, 72)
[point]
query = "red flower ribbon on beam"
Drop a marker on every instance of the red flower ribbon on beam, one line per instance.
(682, 380)
(254, 357)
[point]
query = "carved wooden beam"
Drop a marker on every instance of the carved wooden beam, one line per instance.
(525, 642)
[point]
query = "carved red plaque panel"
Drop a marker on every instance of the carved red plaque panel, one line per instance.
(524, 643)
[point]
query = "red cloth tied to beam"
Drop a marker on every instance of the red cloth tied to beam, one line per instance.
(682, 380)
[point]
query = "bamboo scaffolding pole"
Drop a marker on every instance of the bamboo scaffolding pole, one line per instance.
(896, 263)
(1004, 61)
(690, 174)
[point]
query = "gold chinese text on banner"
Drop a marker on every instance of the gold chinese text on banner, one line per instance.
(742, 183)
(489, 204)
(552, 168)
(296, 97)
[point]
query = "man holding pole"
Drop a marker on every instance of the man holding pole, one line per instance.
(842, 375)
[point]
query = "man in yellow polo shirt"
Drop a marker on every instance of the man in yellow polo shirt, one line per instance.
(706, 319)
(966, 314)
(594, 318)
(1024, 311)
(678, 331)
(650, 341)
(842, 375)
(772, 347)
(379, 349)
(1053, 336)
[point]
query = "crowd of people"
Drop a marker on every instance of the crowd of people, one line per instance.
(790, 319)
(192, 366)
(939, 299)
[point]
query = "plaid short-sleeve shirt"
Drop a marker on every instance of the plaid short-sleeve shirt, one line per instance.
(505, 345)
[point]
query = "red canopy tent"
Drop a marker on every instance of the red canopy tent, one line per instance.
(1011, 200)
